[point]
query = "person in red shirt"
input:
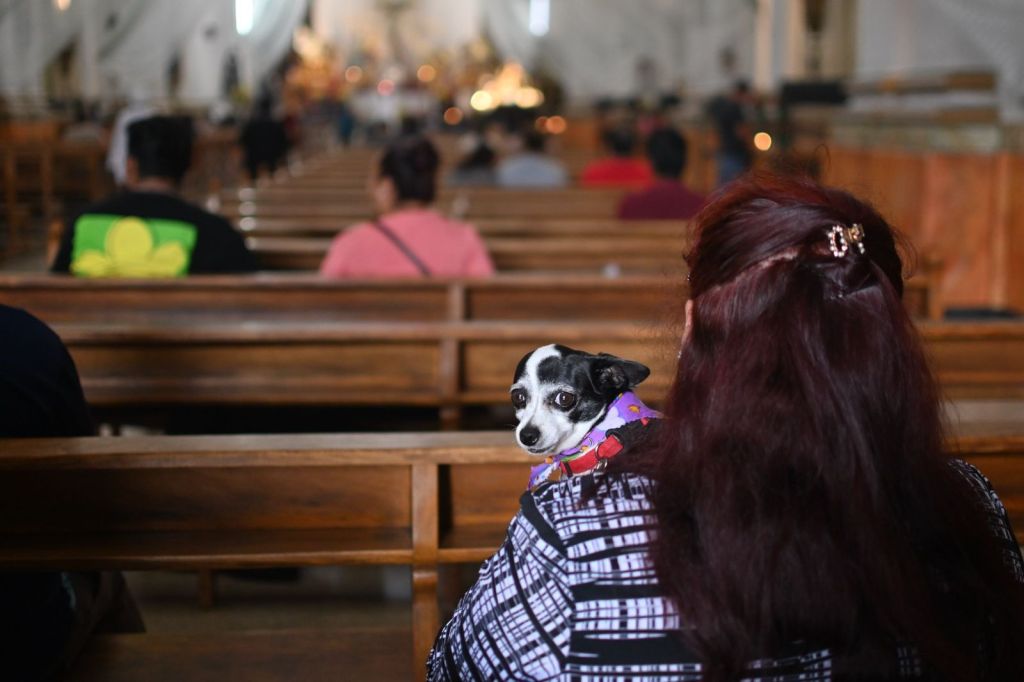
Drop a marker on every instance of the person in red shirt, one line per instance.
(668, 198)
(409, 238)
(622, 169)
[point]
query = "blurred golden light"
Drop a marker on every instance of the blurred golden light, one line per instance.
(426, 73)
(62, 4)
(556, 125)
(528, 98)
(541, 124)
(385, 87)
(763, 141)
(481, 101)
(353, 74)
(453, 116)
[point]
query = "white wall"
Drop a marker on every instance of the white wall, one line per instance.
(131, 56)
(594, 45)
(915, 36)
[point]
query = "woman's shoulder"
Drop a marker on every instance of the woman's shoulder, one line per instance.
(574, 505)
(995, 514)
(979, 485)
(355, 231)
(418, 221)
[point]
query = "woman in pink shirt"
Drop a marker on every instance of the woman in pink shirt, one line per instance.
(409, 239)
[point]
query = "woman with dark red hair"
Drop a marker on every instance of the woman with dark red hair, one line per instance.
(794, 518)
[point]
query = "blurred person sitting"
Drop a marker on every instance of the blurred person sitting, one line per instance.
(49, 615)
(532, 166)
(85, 128)
(147, 230)
(476, 169)
(137, 109)
(409, 238)
(264, 141)
(668, 198)
(728, 112)
(622, 168)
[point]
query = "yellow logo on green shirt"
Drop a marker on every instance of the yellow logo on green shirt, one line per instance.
(126, 246)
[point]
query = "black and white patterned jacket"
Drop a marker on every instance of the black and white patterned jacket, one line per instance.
(572, 595)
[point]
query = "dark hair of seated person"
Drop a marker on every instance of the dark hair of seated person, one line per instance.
(161, 146)
(411, 163)
(482, 156)
(666, 149)
(534, 141)
(803, 491)
(620, 141)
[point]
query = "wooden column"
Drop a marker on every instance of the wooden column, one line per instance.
(207, 588)
(10, 196)
(1013, 256)
(46, 181)
(425, 617)
(449, 374)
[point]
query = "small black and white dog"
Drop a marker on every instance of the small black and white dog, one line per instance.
(566, 401)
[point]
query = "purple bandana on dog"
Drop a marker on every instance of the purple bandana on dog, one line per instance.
(627, 407)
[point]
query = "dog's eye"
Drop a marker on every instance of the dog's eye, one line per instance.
(565, 400)
(519, 398)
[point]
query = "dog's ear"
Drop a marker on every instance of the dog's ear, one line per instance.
(610, 375)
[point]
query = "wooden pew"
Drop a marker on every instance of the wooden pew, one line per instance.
(28, 171)
(471, 203)
(188, 503)
(511, 254)
(443, 364)
(268, 340)
(287, 296)
(487, 227)
(421, 500)
(12, 216)
(276, 297)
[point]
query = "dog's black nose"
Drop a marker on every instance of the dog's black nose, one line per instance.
(529, 436)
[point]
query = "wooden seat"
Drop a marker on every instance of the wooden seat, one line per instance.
(268, 656)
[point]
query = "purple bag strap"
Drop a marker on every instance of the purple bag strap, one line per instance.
(403, 247)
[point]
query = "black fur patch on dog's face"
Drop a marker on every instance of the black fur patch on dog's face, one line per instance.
(560, 393)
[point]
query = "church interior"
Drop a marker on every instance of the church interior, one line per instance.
(293, 251)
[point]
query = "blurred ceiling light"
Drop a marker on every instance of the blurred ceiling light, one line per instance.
(426, 73)
(763, 141)
(453, 116)
(353, 74)
(556, 125)
(481, 101)
(540, 17)
(245, 16)
(62, 5)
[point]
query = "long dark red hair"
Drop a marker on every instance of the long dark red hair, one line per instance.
(802, 493)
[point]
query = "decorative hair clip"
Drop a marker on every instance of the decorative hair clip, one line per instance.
(841, 238)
